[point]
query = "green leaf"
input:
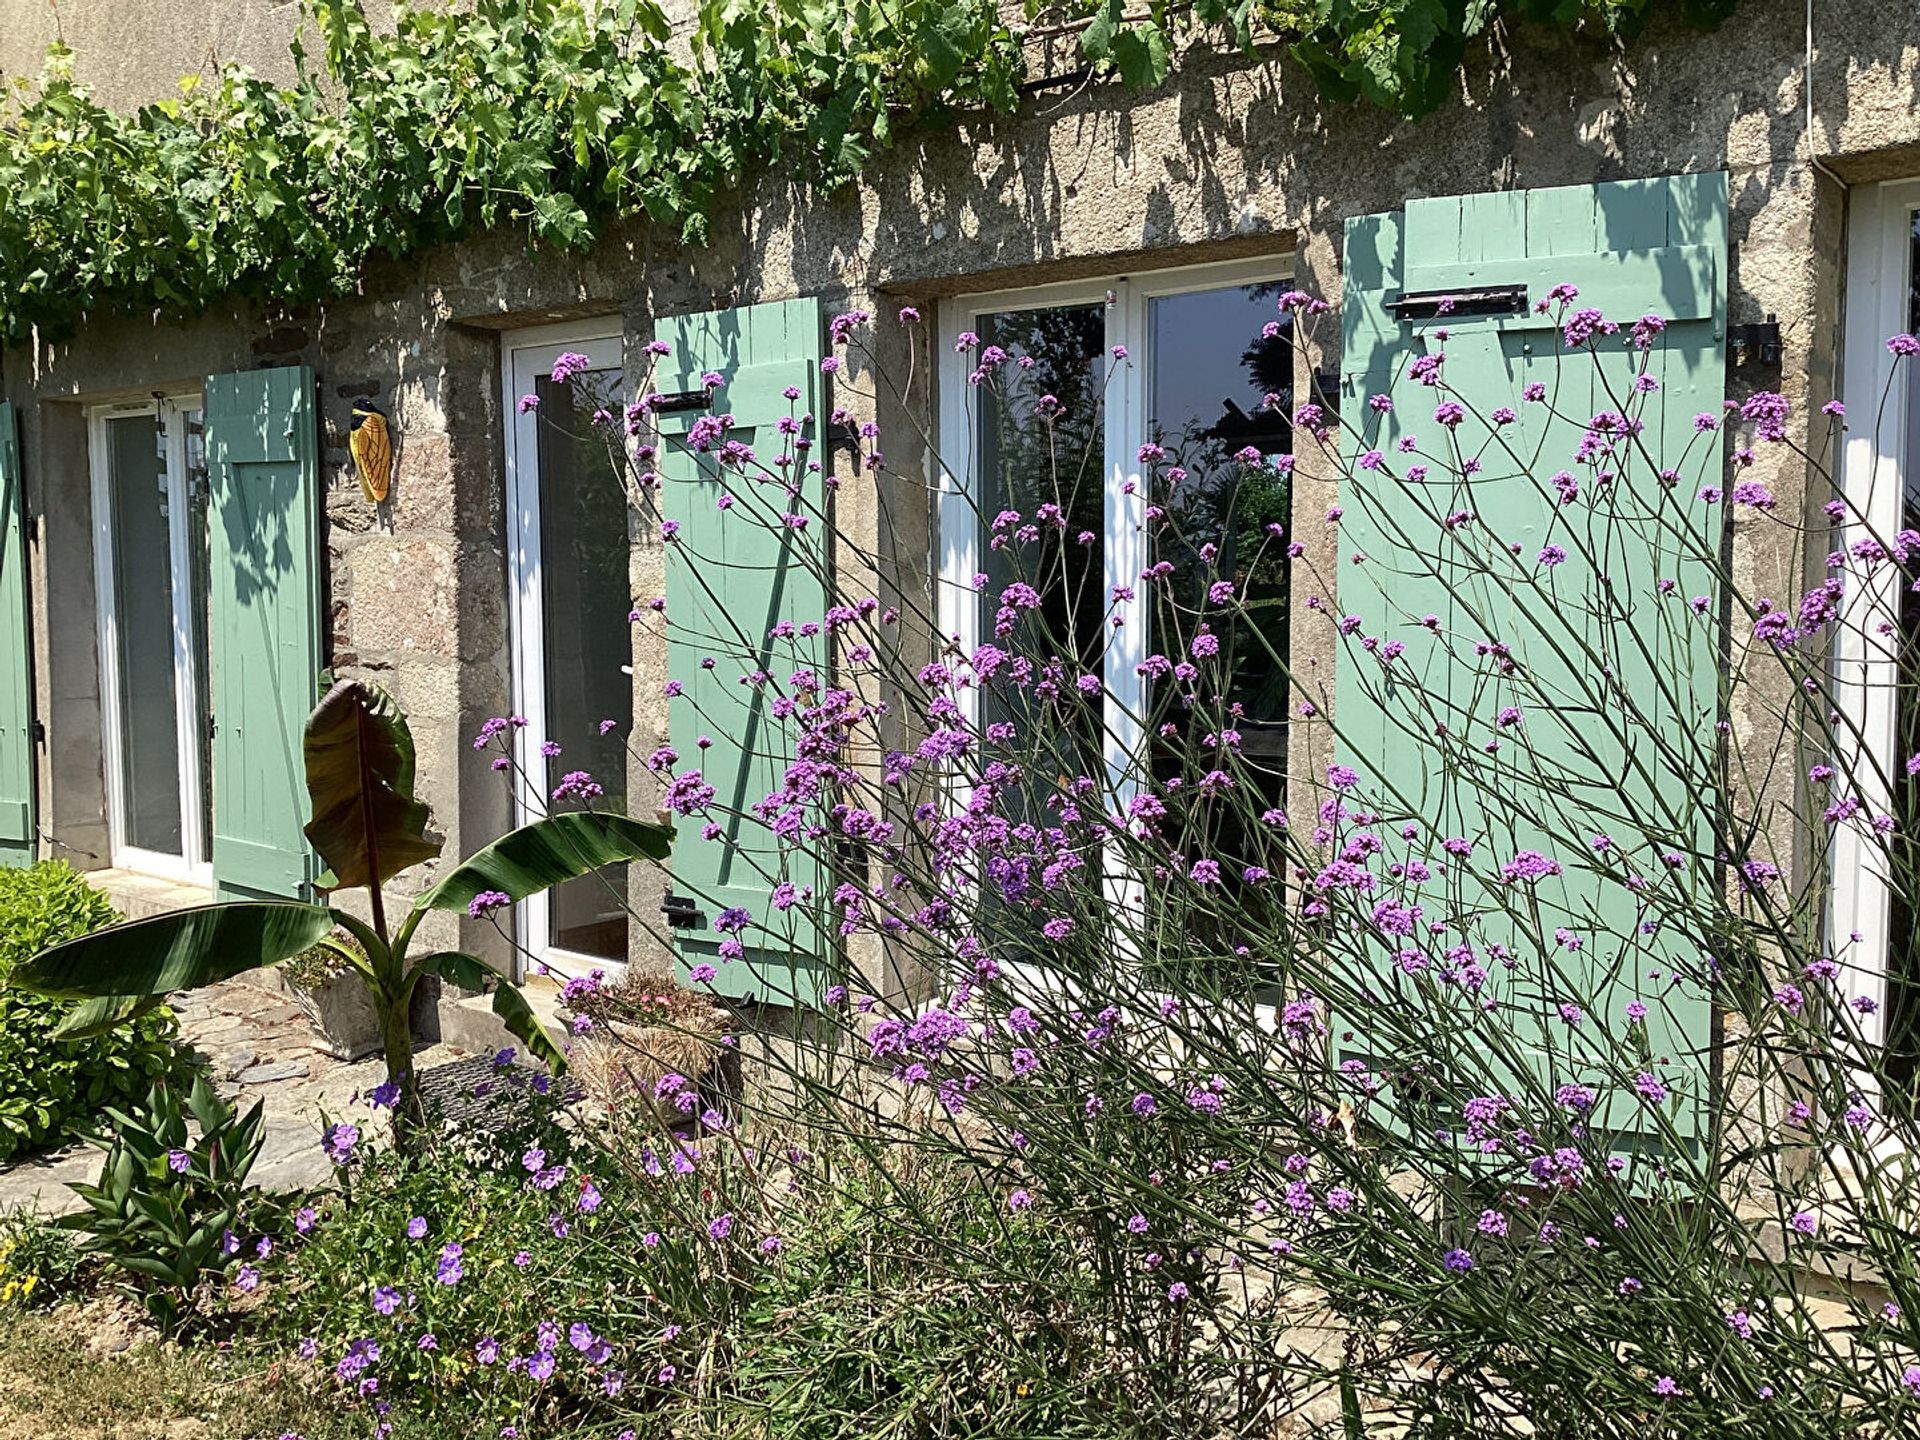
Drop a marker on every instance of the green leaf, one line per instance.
(469, 972)
(546, 853)
(146, 1265)
(514, 1012)
(103, 1013)
(945, 33)
(359, 755)
(1141, 55)
(177, 951)
(1096, 41)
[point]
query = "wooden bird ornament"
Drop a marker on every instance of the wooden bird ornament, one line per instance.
(372, 448)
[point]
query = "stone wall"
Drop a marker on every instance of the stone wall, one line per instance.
(1231, 159)
(130, 52)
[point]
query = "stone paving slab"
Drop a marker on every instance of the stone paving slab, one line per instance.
(256, 1047)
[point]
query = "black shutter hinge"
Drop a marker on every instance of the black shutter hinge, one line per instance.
(39, 732)
(843, 435)
(1326, 392)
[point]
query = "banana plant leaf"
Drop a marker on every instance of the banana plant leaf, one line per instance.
(359, 755)
(177, 951)
(471, 973)
(104, 1013)
(546, 853)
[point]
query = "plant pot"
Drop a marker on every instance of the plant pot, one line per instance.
(619, 1064)
(345, 1024)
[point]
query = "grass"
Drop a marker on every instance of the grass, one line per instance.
(60, 1379)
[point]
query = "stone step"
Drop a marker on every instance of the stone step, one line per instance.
(469, 1022)
(141, 897)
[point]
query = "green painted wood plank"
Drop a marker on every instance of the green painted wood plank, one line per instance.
(1680, 281)
(731, 576)
(265, 610)
(17, 839)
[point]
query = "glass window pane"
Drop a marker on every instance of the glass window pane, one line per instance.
(200, 558)
(1043, 510)
(585, 596)
(1220, 382)
(138, 520)
(1903, 960)
(1213, 373)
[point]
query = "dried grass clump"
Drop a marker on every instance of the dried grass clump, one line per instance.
(644, 1027)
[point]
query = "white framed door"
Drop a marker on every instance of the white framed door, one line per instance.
(151, 557)
(1872, 914)
(568, 568)
(1175, 357)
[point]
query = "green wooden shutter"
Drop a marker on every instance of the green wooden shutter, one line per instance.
(730, 577)
(16, 647)
(264, 474)
(1633, 248)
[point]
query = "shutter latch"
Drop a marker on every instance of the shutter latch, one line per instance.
(1459, 304)
(681, 912)
(681, 400)
(1755, 342)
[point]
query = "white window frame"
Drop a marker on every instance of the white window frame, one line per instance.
(194, 865)
(525, 355)
(1865, 668)
(1125, 548)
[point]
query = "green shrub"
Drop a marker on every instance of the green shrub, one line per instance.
(699, 1285)
(168, 1208)
(49, 1087)
(39, 1262)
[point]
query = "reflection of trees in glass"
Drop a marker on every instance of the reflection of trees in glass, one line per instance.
(1903, 959)
(1036, 455)
(1903, 963)
(1228, 504)
(585, 596)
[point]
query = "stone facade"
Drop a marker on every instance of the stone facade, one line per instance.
(1231, 159)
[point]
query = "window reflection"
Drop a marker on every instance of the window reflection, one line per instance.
(1042, 423)
(1220, 386)
(1903, 959)
(1221, 383)
(585, 595)
(139, 500)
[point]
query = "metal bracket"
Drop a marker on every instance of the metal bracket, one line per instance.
(1755, 342)
(681, 912)
(683, 400)
(842, 435)
(1460, 304)
(1326, 392)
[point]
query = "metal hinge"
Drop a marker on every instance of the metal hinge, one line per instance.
(681, 912)
(843, 435)
(1460, 304)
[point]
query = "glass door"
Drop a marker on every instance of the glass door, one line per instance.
(151, 558)
(1874, 906)
(1046, 397)
(572, 641)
